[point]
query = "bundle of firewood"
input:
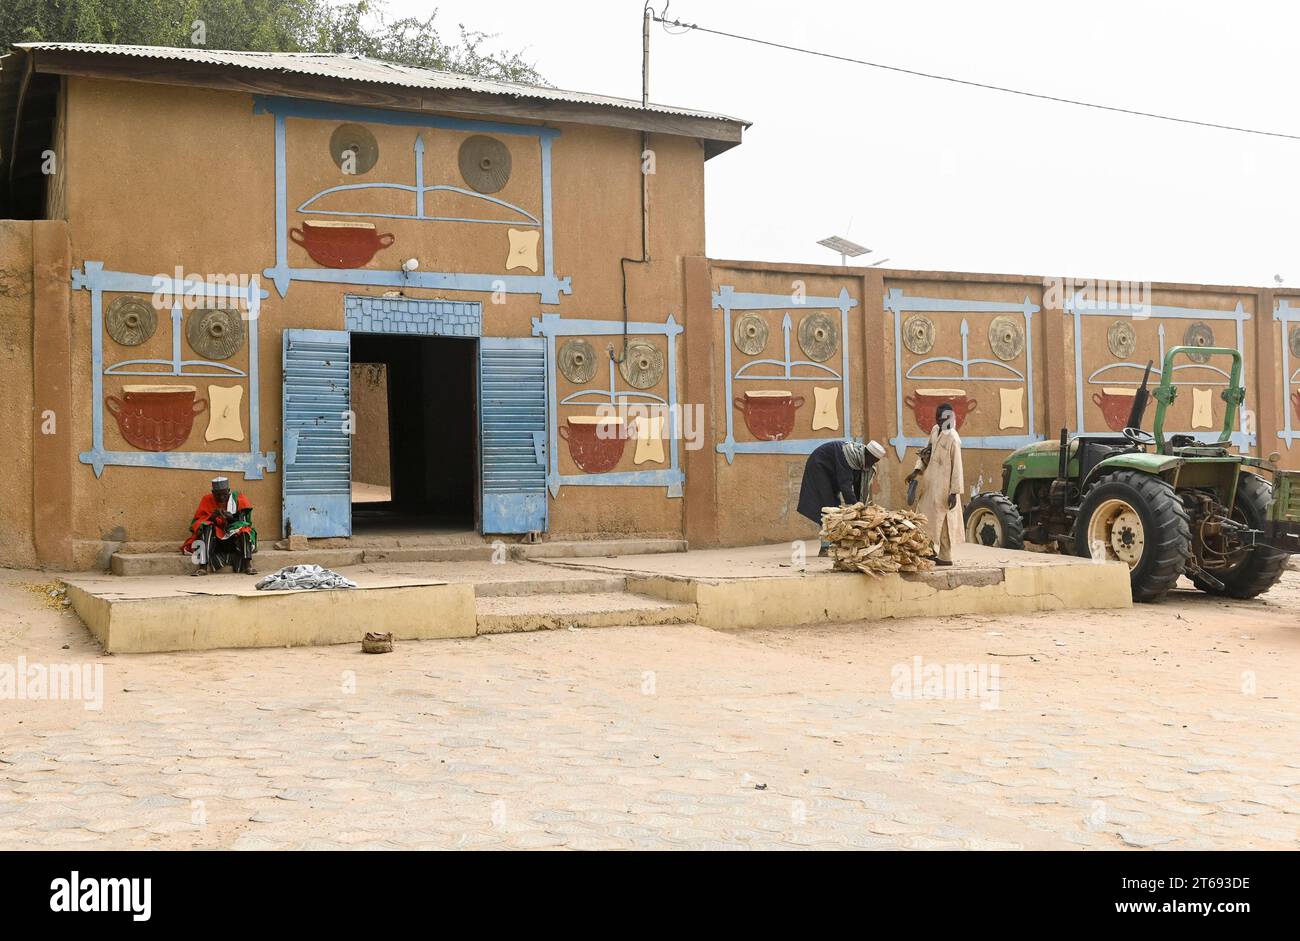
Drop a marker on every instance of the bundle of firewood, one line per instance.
(869, 538)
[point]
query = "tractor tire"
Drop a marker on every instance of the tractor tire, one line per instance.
(1137, 519)
(1261, 566)
(993, 520)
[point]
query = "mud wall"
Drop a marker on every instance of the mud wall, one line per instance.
(1019, 356)
(370, 462)
(203, 197)
(16, 521)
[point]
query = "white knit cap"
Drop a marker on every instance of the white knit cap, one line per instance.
(875, 448)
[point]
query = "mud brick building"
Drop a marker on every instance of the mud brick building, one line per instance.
(384, 299)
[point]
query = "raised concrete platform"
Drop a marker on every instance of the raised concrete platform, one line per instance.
(761, 586)
(765, 586)
(180, 612)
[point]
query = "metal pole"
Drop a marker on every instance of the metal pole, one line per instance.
(645, 57)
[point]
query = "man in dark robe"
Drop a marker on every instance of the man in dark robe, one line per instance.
(222, 532)
(838, 473)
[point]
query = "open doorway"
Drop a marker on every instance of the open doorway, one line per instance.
(415, 441)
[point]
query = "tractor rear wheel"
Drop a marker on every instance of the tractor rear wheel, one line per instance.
(993, 520)
(1259, 567)
(1137, 519)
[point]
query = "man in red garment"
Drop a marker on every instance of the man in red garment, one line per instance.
(222, 532)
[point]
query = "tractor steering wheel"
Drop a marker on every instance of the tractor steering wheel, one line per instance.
(1138, 436)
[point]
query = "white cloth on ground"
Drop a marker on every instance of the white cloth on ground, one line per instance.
(303, 578)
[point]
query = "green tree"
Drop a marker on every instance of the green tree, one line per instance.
(348, 26)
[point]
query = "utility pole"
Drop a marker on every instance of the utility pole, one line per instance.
(645, 138)
(645, 57)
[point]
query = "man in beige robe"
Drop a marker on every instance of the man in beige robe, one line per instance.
(942, 482)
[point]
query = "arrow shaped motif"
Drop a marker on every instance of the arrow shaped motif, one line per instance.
(785, 326)
(419, 176)
(965, 349)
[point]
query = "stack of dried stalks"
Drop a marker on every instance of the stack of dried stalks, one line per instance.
(869, 538)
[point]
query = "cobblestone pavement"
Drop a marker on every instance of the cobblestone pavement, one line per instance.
(1172, 725)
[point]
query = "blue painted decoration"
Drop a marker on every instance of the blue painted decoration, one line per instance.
(419, 190)
(317, 433)
(365, 313)
(1078, 307)
(728, 299)
(176, 366)
(512, 414)
(92, 277)
(547, 286)
(1287, 315)
(551, 326)
(899, 304)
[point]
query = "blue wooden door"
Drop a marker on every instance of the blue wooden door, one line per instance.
(317, 433)
(512, 435)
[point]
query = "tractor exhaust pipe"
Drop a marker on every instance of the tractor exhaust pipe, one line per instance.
(1059, 491)
(1140, 401)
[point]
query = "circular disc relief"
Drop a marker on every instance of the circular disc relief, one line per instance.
(130, 320)
(215, 333)
(819, 336)
(643, 366)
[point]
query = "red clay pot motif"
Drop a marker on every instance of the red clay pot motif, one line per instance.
(1295, 402)
(769, 414)
(1116, 405)
(923, 403)
(155, 418)
(340, 244)
(595, 442)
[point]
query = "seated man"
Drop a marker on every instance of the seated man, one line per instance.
(222, 532)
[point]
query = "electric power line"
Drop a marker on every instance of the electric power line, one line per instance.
(686, 27)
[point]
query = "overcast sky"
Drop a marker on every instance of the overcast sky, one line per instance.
(935, 175)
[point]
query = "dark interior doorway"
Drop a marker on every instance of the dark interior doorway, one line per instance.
(425, 389)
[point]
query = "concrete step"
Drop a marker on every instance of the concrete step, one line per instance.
(585, 549)
(268, 560)
(468, 553)
(504, 615)
(576, 584)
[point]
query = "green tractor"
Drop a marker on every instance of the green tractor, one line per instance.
(1163, 507)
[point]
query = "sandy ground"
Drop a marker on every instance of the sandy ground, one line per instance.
(1172, 725)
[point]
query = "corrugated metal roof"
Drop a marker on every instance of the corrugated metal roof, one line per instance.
(358, 68)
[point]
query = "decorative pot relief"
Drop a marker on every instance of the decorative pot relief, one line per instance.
(340, 244)
(595, 442)
(769, 414)
(1295, 402)
(156, 418)
(1116, 405)
(924, 402)
(1012, 413)
(1202, 408)
(825, 413)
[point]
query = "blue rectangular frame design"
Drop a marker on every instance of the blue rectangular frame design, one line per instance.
(897, 303)
(1078, 308)
(253, 464)
(727, 299)
(546, 285)
(672, 477)
(1286, 315)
